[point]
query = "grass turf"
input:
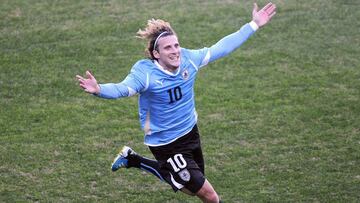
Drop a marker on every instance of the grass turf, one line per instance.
(279, 118)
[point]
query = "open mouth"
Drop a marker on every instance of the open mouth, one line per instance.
(174, 58)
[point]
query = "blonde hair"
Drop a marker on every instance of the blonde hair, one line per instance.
(155, 29)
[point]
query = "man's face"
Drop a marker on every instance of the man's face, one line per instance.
(168, 54)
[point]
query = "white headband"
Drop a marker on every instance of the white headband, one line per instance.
(158, 37)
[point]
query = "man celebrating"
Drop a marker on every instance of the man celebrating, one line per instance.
(165, 83)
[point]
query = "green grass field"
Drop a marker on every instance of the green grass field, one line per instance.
(279, 118)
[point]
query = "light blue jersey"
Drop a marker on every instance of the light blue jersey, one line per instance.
(166, 102)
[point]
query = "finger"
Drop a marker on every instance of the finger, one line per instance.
(267, 6)
(272, 15)
(255, 9)
(82, 85)
(81, 80)
(89, 75)
(79, 77)
(271, 9)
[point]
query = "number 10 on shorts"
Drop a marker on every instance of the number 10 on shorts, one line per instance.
(178, 162)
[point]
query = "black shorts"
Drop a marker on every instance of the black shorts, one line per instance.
(181, 162)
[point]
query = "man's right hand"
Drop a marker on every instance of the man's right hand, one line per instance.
(89, 84)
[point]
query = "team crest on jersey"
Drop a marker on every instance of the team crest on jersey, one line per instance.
(184, 175)
(185, 74)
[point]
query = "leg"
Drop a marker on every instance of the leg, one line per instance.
(127, 158)
(207, 193)
(190, 180)
(145, 164)
(182, 166)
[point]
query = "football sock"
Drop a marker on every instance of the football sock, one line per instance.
(143, 163)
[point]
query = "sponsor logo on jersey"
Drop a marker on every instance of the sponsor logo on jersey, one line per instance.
(159, 82)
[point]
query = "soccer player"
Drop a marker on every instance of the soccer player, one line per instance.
(165, 83)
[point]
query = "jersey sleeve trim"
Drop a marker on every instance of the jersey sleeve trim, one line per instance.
(206, 59)
(132, 92)
(196, 68)
(147, 82)
(254, 26)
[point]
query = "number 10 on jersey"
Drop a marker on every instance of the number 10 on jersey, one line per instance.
(174, 94)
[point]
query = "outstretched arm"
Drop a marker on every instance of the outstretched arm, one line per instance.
(135, 82)
(108, 91)
(233, 41)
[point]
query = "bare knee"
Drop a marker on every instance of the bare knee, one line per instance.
(207, 193)
(211, 198)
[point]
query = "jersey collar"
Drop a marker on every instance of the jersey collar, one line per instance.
(166, 71)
